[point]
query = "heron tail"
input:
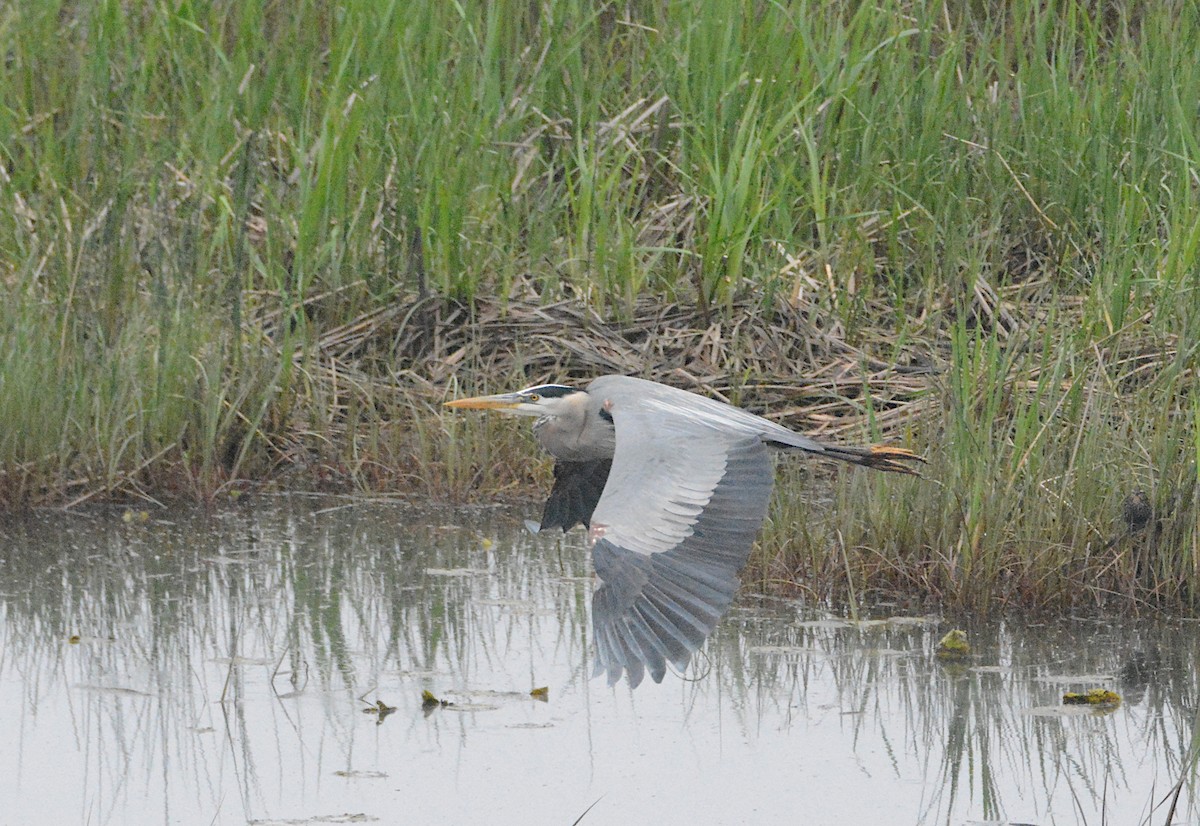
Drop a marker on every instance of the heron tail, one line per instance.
(879, 457)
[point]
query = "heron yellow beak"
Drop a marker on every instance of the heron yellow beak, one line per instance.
(503, 401)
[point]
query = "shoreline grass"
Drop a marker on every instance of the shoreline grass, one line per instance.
(247, 243)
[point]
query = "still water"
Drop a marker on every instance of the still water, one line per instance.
(214, 668)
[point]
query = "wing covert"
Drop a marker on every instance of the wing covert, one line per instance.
(663, 474)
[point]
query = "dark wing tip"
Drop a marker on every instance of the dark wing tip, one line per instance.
(654, 611)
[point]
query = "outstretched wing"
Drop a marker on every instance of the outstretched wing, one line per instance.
(672, 530)
(577, 489)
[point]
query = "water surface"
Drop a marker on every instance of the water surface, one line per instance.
(227, 667)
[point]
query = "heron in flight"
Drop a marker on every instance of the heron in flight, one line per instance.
(672, 488)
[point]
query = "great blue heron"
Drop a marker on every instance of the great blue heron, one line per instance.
(672, 488)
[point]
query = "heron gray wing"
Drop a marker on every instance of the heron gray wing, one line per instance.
(671, 532)
(701, 410)
(664, 471)
(577, 489)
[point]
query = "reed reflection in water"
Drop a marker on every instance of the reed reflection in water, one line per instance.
(227, 668)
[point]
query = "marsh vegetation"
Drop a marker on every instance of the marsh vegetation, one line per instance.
(258, 243)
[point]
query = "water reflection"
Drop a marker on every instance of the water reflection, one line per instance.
(227, 668)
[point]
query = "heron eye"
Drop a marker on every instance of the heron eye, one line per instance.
(534, 397)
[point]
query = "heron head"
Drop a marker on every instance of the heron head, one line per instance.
(540, 400)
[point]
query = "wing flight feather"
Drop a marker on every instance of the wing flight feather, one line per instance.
(672, 530)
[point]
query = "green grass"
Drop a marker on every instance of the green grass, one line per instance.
(196, 196)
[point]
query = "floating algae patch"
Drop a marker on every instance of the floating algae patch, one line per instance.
(380, 710)
(429, 702)
(1092, 697)
(953, 646)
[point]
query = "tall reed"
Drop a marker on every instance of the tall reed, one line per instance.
(197, 196)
